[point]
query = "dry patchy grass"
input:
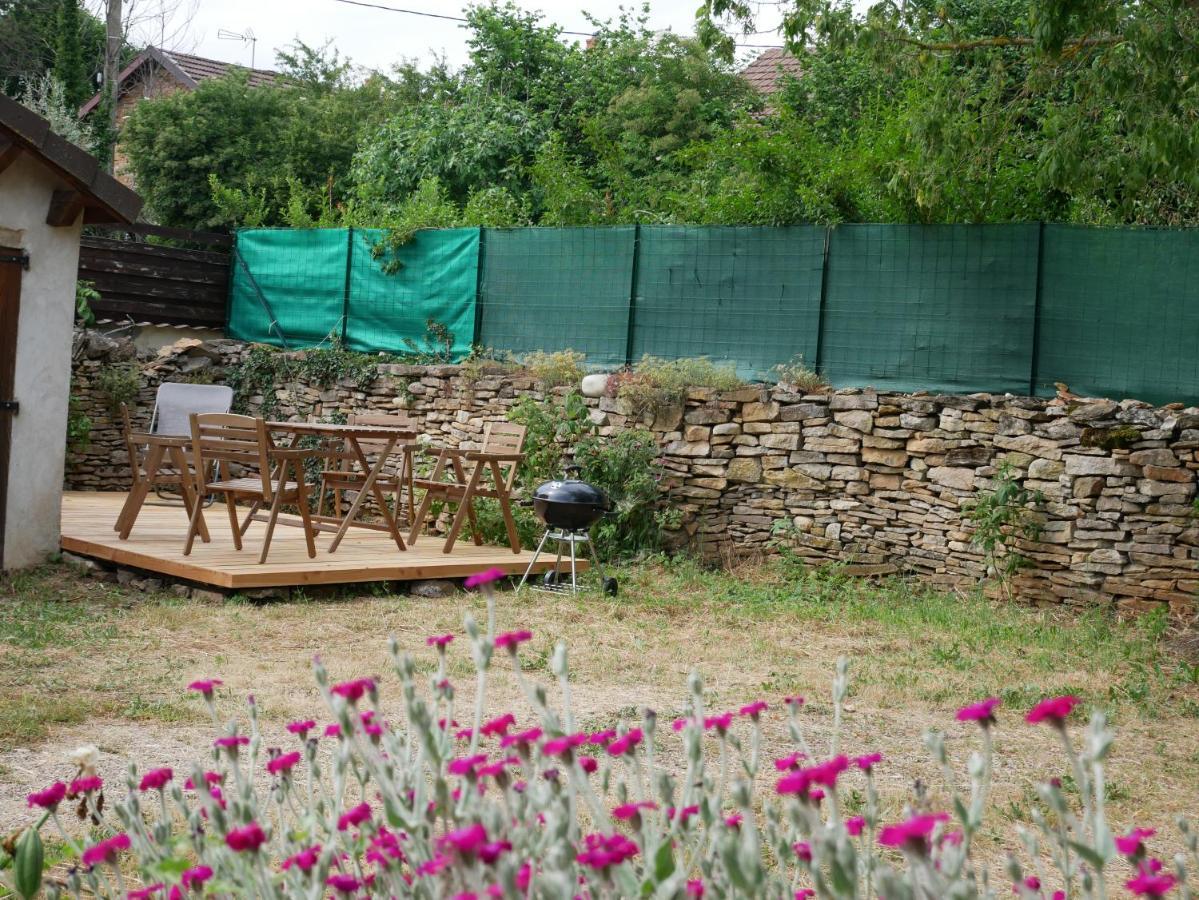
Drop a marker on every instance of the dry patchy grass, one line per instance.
(82, 661)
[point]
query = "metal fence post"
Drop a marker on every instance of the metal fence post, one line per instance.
(1036, 312)
(478, 336)
(345, 299)
(628, 347)
(818, 362)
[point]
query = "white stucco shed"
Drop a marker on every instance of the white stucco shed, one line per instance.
(48, 190)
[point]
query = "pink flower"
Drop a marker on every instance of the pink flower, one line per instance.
(512, 639)
(563, 745)
(465, 841)
(793, 702)
(682, 814)
(1132, 844)
(524, 876)
(982, 712)
(733, 820)
(466, 765)
(343, 884)
(804, 894)
(497, 768)
(333, 730)
(802, 781)
(304, 860)
(195, 876)
(1056, 710)
(803, 850)
(521, 739)
(492, 850)
(753, 710)
(85, 785)
(912, 834)
(485, 577)
(439, 640)
(695, 887)
(601, 851)
(868, 762)
(629, 810)
(146, 892)
(105, 851)
(48, 798)
(205, 686)
(721, 722)
(854, 825)
(587, 763)
(498, 725)
(301, 728)
(155, 780)
(248, 837)
(626, 743)
(354, 817)
(431, 867)
(282, 763)
(1149, 884)
(353, 691)
(231, 743)
(210, 778)
(789, 762)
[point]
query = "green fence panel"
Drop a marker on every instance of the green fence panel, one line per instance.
(296, 274)
(437, 281)
(1120, 313)
(557, 288)
(746, 295)
(930, 307)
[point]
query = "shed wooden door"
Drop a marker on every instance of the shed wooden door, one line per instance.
(10, 304)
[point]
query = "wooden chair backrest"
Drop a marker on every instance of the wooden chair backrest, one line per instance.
(135, 463)
(228, 438)
(504, 437)
(395, 421)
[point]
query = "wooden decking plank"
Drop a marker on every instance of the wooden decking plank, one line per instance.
(156, 545)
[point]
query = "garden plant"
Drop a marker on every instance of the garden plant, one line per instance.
(492, 806)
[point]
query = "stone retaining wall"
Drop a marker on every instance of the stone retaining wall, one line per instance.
(874, 480)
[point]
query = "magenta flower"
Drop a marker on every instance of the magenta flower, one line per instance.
(804, 894)
(485, 577)
(205, 686)
(733, 820)
(512, 639)
(146, 892)
(602, 738)
(439, 640)
(248, 837)
(912, 834)
(868, 762)
(1054, 710)
(563, 745)
(85, 785)
(680, 724)
(1132, 844)
(343, 884)
(629, 810)
(105, 851)
(231, 743)
(304, 860)
(602, 851)
(492, 850)
(353, 691)
(753, 710)
(521, 739)
(283, 763)
(498, 726)
(854, 825)
(210, 778)
(721, 722)
(302, 727)
(333, 730)
(802, 781)
(433, 866)
(195, 876)
(155, 780)
(1150, 884)
(789, 762)
(354, 817)
(794, 702)
(803, 850)
(626, 743)
(682, 814)
(466, 765)
(982, 712)
(48, 798)
(588, 764)
(695, 887)
(465, 841)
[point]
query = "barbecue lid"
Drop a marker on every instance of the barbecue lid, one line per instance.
(570, 490)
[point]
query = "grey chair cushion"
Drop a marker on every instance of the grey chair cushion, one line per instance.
(176, 402)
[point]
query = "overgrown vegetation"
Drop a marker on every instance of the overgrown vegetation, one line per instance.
(1002, 517)
(554, 368)
(79, 425)
(119, 384)
(265, 369)
(656, 384)
(85, 295)
(796, 374)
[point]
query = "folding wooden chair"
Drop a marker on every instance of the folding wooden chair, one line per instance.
(157, 458)
(220, 441)
(502, 444)
(345, 475)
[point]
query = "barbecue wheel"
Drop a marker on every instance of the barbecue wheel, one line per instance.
(610, 587)
(550, 578)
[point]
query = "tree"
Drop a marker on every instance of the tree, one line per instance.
(71, 68)
(31, 40)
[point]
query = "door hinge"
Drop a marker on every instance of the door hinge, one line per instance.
(21, 259)
(12, 406)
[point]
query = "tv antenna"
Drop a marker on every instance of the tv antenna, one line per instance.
(246, 37)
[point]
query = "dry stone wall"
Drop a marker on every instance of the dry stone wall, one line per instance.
(876, 481)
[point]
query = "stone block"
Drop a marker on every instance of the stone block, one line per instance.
(842, 401)
(688, 448)
(745, 470)
(1045, 469)
(968, 456)
(793, 479)
(857, 419)
(780, 441)
(894, 458)
(1164, 473)
(755, 411)
(1158, 456)
(1097, 465)
(952, 477)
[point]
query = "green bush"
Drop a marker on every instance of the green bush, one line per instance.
(797, 375)
(119, 384)
(656, 384)
(555, 369)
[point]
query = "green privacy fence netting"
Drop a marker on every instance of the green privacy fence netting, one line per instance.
(903, 307)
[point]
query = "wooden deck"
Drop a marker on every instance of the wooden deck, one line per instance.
(156, 545)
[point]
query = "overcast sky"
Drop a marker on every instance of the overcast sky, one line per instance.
(377, 38)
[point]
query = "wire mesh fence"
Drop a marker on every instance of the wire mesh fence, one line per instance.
(905, 307)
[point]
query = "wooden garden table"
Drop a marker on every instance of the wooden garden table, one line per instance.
(352, 435)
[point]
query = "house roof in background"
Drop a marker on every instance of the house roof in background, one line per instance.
(188, 70)
(766, 72)
(105, 200)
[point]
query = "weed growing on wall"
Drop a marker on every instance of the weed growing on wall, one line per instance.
(555, 369)
(657, 384)
(119, 384)
(1002, 517)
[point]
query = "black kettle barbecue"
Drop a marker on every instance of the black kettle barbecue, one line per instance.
(568, 507)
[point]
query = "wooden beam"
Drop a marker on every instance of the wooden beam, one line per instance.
(9, 151)
(65, 207)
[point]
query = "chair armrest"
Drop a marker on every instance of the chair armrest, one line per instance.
(444, 452)
(310, 453)
(496, 457)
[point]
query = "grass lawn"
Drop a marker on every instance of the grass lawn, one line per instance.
(82, 661)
